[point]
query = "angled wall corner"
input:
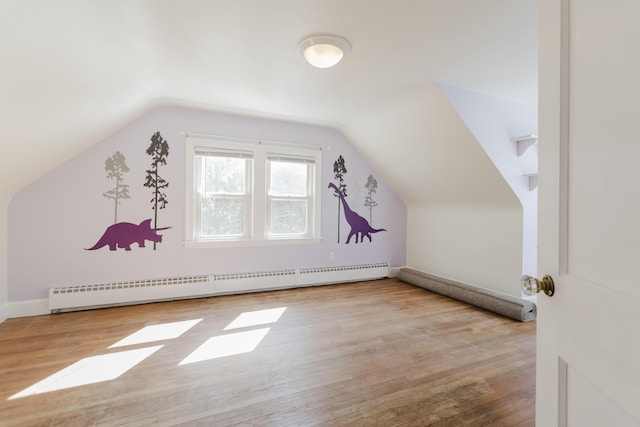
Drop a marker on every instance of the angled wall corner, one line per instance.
(464, 222)
(473, 222)
(506, 131)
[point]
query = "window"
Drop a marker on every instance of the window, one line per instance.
(222, 197)
(244, 193)
(290, 195)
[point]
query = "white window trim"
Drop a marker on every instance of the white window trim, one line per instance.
(258, 216)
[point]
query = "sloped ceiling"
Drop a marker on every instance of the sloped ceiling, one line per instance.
(74, 71)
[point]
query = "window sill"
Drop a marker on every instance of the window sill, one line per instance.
(206, 244)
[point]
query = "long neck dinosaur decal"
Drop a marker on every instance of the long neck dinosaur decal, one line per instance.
(359, 226)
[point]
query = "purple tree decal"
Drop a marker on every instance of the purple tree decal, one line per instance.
(159, 151)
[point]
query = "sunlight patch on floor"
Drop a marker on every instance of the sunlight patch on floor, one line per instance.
(110, 366)
(90, 370)
(227, 345)
(255, 318)
(163, 331)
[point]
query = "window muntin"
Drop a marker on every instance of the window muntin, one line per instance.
(252, 193)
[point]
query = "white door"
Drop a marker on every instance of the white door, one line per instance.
(588, 363)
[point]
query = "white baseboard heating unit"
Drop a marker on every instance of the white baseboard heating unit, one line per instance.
(72, 298)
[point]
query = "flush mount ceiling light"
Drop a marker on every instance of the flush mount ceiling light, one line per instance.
(323, 51)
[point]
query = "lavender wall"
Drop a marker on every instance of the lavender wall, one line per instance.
(52, 220)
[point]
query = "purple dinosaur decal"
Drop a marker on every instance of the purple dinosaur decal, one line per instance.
(123, 234)
(359, 226)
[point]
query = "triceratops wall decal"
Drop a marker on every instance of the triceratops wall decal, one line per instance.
(123, 234)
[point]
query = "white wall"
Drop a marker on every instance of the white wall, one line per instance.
(464, 221)
(494, 122)
(476, 244)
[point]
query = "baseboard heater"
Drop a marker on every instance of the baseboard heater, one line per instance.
(497, 302)
(85, 297)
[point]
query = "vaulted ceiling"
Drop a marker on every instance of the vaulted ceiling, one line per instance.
(73, 71)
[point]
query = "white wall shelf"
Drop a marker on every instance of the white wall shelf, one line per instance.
(523, 143)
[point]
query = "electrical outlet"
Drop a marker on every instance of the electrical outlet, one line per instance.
(332, 256)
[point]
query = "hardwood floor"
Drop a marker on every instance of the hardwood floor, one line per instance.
(380, 353)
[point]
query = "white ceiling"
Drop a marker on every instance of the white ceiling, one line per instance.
(74, 71)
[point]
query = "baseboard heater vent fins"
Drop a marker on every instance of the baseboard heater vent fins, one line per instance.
(84, 297)
(347, 273)
(130, 285)
(235, 276)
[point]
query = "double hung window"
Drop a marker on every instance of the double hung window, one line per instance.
(244, 193)
(222, 194)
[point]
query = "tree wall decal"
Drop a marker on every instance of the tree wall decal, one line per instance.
(116, 167)
(159, 151)
(339, 169)
(372, 186)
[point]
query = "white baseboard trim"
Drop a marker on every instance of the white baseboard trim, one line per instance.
(35, 307)
(393, 271)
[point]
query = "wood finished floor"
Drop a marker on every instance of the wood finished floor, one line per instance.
(379, 353)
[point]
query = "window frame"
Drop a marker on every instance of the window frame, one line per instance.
(258, 214)
(309, 197)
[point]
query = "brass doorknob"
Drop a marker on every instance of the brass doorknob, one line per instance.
(531, 285)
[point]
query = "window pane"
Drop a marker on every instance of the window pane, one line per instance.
(225, 175)
(288, 216)
(223, 217)
(288, 179)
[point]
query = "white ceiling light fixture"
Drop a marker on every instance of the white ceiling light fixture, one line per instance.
(323, 51)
